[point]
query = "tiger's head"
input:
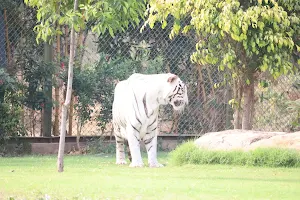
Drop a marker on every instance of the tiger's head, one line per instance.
(176, 94)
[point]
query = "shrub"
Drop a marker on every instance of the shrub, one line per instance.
(10, 107)
(189, 153)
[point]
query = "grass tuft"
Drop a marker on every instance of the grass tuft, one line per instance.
(189, 153)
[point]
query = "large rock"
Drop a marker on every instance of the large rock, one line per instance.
(248, 139)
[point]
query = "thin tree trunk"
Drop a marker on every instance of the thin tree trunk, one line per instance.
(71, 107)
(60, 159)
(8, 54)
(248, 106)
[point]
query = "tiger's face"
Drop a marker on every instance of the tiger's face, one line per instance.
(177, 96)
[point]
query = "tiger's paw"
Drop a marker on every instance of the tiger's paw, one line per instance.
(121, 162)
(139, 164)
(155, 165)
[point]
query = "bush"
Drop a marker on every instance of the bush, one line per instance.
(10, 107)
(189, 153)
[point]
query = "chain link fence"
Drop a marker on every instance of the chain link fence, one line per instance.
(106, 58)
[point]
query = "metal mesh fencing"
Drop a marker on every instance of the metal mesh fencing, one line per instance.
(150, 51)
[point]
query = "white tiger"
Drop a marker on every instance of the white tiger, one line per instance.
(135, 113)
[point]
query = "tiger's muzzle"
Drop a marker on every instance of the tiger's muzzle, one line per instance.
(178, 103)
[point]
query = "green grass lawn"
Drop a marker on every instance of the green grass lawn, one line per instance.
(97, 177)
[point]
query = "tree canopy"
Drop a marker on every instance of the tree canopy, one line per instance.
(111, 15)
(245, 38)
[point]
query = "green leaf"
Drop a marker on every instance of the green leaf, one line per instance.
(111, 32)
(164, 24)
(222, 67)
(248, 82)
(264, 67)
(261, 25)
(38, 16)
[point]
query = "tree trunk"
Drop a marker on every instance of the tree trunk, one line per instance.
(57, 100)
(41, 120)
(248, 106)
(210, 80)
(32, 112)
(174, 129)
(228, 111)
(79, 128)
(47, 115)
(71, 113)
(60, 157)
(80, 45)
(201, 83)
(238, 91)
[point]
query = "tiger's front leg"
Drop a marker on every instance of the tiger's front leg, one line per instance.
(150, 141)
(134, 146)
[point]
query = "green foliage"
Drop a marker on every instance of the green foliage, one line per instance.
(175, 52)
(84, 87)
(189, 153)
(248, 40)
(255, 36)
(10, 107)
(29, 61)
(111, 15)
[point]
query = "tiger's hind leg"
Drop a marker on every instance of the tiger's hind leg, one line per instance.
(128, 151)
(120, 151)
(134, 146)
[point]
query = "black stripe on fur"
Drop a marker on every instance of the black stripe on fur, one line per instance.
(152, 122)
(149, 148)
(145, 105)
(148, 141)
(135, 128)
(154, 129)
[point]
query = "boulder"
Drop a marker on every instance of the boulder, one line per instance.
(248, 139)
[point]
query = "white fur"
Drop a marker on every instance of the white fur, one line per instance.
(129, 113)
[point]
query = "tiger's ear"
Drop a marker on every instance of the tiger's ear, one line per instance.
(172, 78)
